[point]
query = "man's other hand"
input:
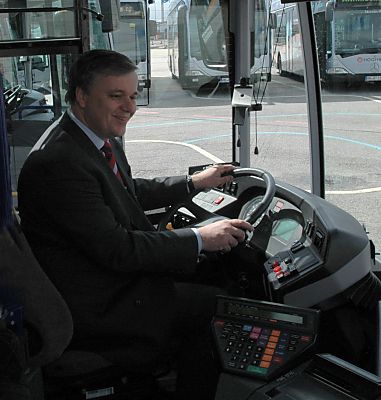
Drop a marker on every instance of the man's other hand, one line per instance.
(214, 176)
(224, 235)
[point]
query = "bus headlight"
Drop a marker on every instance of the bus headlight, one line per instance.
(337, 70)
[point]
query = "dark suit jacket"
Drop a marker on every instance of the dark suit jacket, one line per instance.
(93, 240)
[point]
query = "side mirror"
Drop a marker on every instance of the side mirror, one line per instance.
(329, 11)
(111, 14)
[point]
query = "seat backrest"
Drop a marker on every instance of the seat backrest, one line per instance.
(44, 309)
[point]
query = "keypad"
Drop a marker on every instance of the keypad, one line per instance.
(256, 349)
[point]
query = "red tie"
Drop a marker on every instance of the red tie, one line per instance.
(109, 155)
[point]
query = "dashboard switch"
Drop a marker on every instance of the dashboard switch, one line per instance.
(296, 247)
(219, 200)
(275, 264)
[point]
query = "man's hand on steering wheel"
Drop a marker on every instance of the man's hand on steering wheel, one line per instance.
(214, 176)
(223, 235)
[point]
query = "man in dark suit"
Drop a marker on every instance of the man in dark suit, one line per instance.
(83, 216)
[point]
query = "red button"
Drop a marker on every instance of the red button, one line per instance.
(219, 200)
(277, 269)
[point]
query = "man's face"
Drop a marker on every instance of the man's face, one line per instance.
(109, 104)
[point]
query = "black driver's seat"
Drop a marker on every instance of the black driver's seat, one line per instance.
(67, 374)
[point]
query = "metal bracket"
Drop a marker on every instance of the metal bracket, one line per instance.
(242, 102)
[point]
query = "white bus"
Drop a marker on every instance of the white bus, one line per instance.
(196, 43)
(197, 46)
(348, 36)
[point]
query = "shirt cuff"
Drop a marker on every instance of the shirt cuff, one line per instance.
(199, 239)
(190, 184)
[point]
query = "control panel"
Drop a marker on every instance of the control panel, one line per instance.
(261, 339)
(213, 200)
(289, 265)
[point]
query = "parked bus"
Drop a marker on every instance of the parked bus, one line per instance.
(348, 36)
(196, 43)
(131, 38)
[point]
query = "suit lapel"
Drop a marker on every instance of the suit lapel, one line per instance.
(138, 217)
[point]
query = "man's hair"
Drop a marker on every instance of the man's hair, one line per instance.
(96, 63)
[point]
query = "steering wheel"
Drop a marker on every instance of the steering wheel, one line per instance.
(13, 98)
(206, 217)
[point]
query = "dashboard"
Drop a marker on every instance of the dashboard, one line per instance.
(314, 251)
(304, 252)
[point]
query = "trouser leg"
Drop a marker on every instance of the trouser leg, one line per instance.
(197, 368)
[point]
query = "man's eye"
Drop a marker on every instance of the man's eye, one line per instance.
(115, 96)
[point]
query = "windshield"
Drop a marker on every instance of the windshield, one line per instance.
(357, 31)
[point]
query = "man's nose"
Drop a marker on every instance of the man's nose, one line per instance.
(129, 106)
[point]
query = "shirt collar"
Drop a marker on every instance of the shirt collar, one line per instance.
(98, 142)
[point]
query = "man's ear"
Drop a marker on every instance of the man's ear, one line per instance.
(80, 97)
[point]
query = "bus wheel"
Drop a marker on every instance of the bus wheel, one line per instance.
(279, 65)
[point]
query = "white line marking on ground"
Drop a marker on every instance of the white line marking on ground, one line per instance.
(359, 191)
(218, 160)
(191, 146)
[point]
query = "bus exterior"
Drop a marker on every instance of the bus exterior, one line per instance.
(131, 37)
(196, 43)
(348, 36)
